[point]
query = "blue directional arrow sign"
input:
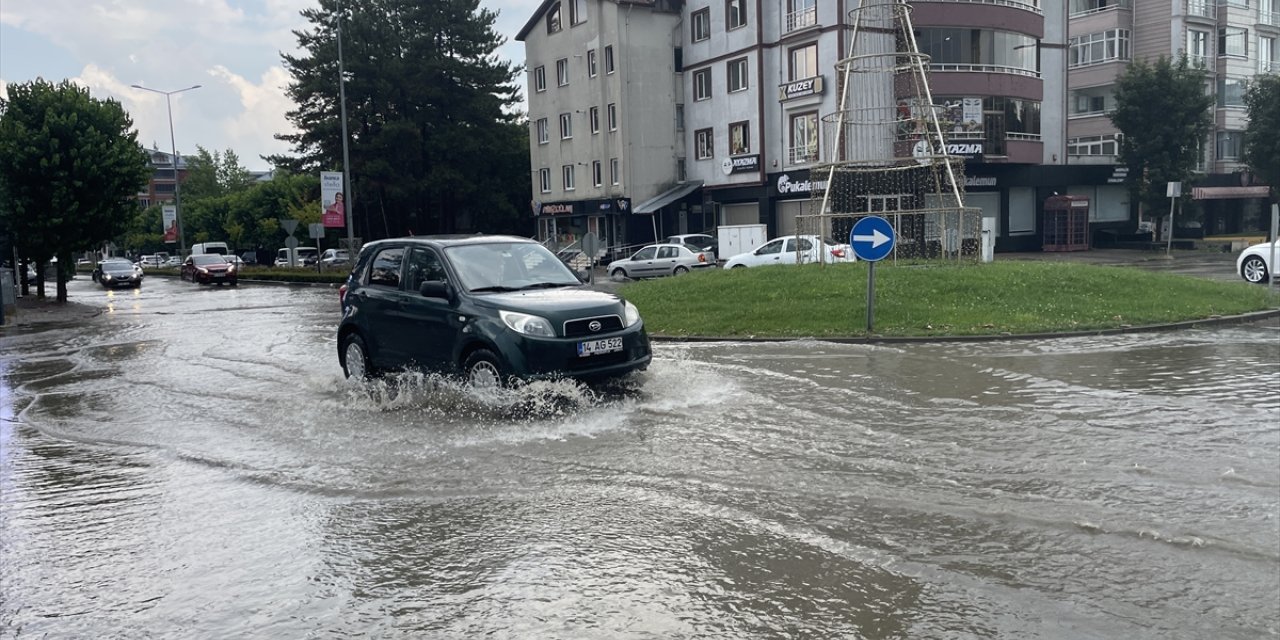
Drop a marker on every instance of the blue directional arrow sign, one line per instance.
(872, 238)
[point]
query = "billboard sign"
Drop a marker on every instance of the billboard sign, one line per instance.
(332, 200)
(169, 225)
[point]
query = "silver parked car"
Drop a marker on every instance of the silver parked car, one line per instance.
(661, 260)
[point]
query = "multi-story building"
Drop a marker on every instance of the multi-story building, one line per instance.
(603, 107)
(160, 186)
(1233, 40)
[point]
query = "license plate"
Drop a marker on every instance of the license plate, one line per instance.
(595, 347)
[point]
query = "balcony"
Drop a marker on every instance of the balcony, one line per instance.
(1202, 8)
(1079, 10)
(1026, 5)
(803, 154)
(983, 68)
(1270, 18)
(802, 19)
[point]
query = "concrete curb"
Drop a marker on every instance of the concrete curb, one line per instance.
(1173, 326)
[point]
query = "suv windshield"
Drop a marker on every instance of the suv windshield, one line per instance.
(508, 266)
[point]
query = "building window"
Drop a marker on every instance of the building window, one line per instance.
(613, 117)
(804, 139)
(1097, 48)
(737, 75)
(804, 62)
(1108, 145)
(1230, 144)
(735, 13)
(701, 25)
(1231, 92)
(597, 177)
(543, 135)
(544, 180)
(577, 11)
(553, 18)
(1086, 7)
(704, 144)
(539, 78)
(595, 119)
(613, 170)
(702, 84)
(739, 138)
(679, 117)
(591, 63)
(566, 126)
(1267, 55)
(566, 177)
(608, 59)
(1198, 47)
(562, 72)
(801, 14)
(1233, 41)
(1093, 101)
(682, 172)
(1000, 50)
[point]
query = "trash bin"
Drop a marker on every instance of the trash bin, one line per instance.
(8, 295)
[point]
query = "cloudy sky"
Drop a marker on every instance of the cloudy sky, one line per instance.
(229, 47)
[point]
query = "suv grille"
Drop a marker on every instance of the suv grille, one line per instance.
(582, 326)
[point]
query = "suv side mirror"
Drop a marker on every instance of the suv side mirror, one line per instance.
(436, 289)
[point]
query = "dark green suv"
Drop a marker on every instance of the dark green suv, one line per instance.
(494, 308)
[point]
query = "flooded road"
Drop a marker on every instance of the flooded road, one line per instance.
(191, 464)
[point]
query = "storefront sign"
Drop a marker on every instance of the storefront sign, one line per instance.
(979, 181)
(800, 88)
(1118, 175)
(740, 164)
(966, 150)
(552, 208)
(785, 185)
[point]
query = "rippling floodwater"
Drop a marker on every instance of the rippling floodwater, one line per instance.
(191, 464)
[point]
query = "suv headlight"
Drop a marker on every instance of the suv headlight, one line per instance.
(527, 324)
(630, 313)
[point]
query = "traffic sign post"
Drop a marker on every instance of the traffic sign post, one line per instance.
(591, 245)
(872, 239)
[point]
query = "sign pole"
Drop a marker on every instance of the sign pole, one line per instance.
(1173, 190)
(871, 297)
(1275, 241)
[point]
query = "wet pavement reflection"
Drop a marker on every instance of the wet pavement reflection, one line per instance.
(190, 463)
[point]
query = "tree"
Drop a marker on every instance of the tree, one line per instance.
(1166, 117)
(70, 166)
(212, 174)
(427, 105)
(1262, 138)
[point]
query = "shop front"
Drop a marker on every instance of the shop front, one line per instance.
(562, 225)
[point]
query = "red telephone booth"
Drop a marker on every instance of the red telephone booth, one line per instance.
(1066, 223)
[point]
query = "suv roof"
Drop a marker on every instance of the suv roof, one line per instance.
(449, 240)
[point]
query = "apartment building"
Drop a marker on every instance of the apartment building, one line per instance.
(603, 93)
(1233, 39)
(161, 185)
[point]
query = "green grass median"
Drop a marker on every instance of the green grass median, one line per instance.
(1011, 297)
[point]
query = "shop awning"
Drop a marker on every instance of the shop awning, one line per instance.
(1223, 193)
(667, 197)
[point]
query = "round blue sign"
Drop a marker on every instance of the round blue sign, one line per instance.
(871, 238)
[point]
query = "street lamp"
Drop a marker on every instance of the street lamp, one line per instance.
(177, 189)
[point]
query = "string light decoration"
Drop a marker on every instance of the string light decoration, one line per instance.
(885, 151)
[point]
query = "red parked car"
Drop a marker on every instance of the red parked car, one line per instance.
(207, 269)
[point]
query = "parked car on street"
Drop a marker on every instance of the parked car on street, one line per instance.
(208, 268)
(657, 260)
(117, 272)
(335, 258)
(171, 262)
(792, 250)
(493, 308)
(702, 241)
(1254, 263)
(233, 259)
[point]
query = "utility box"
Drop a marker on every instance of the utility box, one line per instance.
(739, 238)
(1066, 223)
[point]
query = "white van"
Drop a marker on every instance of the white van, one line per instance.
(219, 248)
(300, 257)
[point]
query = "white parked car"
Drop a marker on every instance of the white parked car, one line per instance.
(792, 250)
(1254, 263)
(661, 260)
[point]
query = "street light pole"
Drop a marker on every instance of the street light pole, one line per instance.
(177, 183)
(349, 202)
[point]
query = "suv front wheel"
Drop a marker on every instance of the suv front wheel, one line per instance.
(483, 370)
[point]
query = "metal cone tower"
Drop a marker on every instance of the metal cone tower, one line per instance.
(885, 149)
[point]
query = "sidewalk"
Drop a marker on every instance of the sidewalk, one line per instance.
(31, 310)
